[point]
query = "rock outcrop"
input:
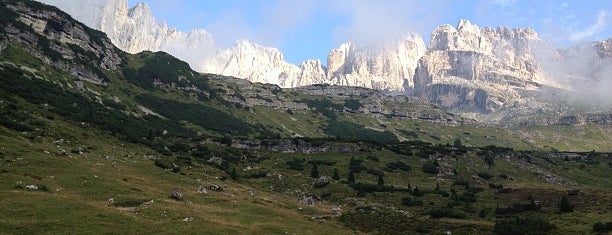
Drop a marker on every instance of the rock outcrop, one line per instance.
(477, 69)
(253, 62)
(57, 40)
(389, 68)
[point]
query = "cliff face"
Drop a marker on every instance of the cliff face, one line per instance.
(476, 69)
(388, 68)
(58, 40)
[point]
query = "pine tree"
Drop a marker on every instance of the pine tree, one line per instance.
(351, 178)
(233, 174)
(416, 192)
(381, 181)
(565, 205)
(336, 175)
(314, 173)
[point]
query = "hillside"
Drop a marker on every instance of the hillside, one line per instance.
(98, 141)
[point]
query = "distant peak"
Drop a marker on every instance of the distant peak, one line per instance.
(466, 25)
(141, 9)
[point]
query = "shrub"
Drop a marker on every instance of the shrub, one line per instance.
(489, 160)
(351, 177)
(355, 165)
(397, 165)
(352, 104)
(496, 186)
(565, 205)
(485, 175)
(602, 228)
(408, 201)
(525, 225)
(361, 187)
(129, 202)
(296, 164)
(375, 172)
(447, 213)
(336, 176)
(468, 197)
(314, 172)
(517, 208)
(462, 182)
(431, 167)
(167, 164)
(256, 174)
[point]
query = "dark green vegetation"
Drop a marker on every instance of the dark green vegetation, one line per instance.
(152, 145)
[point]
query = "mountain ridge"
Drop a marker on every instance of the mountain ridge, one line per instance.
(465, 68)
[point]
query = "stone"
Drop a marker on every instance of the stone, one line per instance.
(215, 187)
(176, 195)
(202, 189)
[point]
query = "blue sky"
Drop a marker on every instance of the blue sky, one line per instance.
(308, 29)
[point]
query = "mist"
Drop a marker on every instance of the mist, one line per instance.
(375, 25)
(584, 71)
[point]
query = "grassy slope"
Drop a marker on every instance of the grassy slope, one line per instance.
(81, 185)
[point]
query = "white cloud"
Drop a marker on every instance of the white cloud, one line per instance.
(592, 30)
(373, 24)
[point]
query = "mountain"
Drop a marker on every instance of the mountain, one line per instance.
(95, 140)
(478, 70)
(389, 68)
(136, 29)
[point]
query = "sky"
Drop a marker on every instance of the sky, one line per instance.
(309, 29)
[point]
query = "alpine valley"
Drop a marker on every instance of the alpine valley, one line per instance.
(104, 129)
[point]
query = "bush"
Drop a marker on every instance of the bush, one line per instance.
(296, 164)
(489, 160)
(447, 213)
(314, 172)
(517, 208)
(468, 197)
(167, 164)
(462, 182)
(352, 104)
(602, 228)
(256, 174)
(565, 205)
(485, 175)
(361, 187)
(525, 225)
(397, 165)
(355, 165)
(408, 201)
(431, 167)
(129, 202)
(496, 186)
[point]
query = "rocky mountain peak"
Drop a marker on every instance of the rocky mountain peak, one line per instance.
(252, 61)
(142, 12)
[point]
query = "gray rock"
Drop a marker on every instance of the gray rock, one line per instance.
(176, 195)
